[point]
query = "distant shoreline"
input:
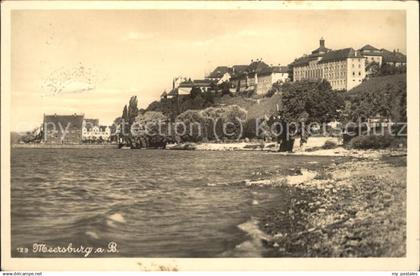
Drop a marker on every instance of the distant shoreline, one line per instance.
(310, 149)
(64, 146)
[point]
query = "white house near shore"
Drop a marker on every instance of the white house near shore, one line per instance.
(91, 130)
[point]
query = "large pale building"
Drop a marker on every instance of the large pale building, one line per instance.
(63, 129)
(343, 69)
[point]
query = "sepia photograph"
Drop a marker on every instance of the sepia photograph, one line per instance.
(191, 131)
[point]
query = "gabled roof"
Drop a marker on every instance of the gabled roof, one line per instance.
(340, 55)
(389, 56)
(238, 71)
(369, 47)
(266, 71)
(219, 72)
(321, 49)
(303, 61)
(369, 50)
(238, 76)
(367, 54)
(257, 66)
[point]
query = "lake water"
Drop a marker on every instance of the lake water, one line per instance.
(151, 203)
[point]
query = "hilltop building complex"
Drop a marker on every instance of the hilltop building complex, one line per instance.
(343, 68)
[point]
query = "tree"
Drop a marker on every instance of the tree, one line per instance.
(276, 87)
(125, 113)
(132, 110)
(115, 129)
(151, 129)
(190, 126)
(34, 136)
(372, 68)
(388, 101)
(195, 91)
(290, 73)
(208, 97)
(304, 103)
(224, 122)
(313, 101)
(213, 123)
(129, 115)
(154, 106)
(224, 87)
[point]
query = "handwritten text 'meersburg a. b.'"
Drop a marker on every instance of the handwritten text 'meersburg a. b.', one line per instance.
(85, 251)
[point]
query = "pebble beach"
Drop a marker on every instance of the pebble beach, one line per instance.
(352, 209)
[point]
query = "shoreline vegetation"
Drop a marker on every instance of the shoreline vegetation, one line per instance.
(351, 209)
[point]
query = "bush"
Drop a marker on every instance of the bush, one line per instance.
(152, 126)
(372, 142)
(329, 144)
(191, 124)
(209, 123)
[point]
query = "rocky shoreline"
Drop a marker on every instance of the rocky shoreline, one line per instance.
(352, 209)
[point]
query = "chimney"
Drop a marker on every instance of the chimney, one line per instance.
(322, 42)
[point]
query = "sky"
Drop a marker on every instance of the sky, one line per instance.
(93, 61)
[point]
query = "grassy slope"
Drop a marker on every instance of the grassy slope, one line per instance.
(256, 108)
(379, 83)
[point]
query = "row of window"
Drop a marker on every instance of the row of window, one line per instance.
(336, 75)
(336, 66)
(318, 74)
(337, 82)
(96, 131)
